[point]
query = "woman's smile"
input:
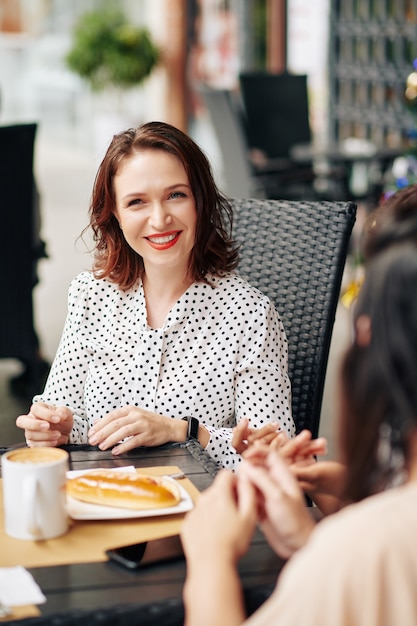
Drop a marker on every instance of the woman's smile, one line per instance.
(164, 241)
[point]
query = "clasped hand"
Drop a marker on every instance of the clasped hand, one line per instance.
(226, 514)
(323, 481)
(274, 475)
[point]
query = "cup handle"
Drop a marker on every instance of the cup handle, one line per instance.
(30, 488)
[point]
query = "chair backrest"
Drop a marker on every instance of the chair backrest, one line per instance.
(17, 241)
(277, 111)
(295, 253)
(224, 117)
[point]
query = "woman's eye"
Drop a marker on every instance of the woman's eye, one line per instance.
(134, 201)
(177, 194)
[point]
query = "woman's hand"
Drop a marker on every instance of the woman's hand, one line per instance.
(138, 427)
(46, 425)
(244, 437)
(215, 534)
(223, 521)
(284, 517)
(322, 478)
(301, 450)
(323, 481)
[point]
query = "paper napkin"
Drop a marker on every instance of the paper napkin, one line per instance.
(18, 587)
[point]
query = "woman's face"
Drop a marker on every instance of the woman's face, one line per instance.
(156, 209)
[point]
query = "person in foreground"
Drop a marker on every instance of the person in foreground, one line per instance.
(163, 327)
(392, 222)
(359, 565)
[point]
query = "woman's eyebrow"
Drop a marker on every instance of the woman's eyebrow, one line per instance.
(168, 188)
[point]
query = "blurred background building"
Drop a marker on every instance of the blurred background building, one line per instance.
(356, 55)
(202, 40)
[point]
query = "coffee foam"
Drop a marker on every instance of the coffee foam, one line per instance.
(36, 455)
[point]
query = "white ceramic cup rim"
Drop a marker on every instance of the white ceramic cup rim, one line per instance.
(60, 456)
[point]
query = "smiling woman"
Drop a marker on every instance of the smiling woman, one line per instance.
(163, 340)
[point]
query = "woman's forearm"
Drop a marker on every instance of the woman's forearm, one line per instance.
(213, 594)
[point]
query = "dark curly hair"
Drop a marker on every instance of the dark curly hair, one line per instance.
(214, 249)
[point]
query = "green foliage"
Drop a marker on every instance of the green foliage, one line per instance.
(259, 34)
(109, 51)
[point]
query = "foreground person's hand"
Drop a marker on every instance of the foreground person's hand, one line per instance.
(297, 452)
(324, 482)
(323, 477)
(223, 520)
(303, 449)
(46, 425)
(284, 517)
(215, 535)
(130, 427)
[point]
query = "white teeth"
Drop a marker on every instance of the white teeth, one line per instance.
(166, 239)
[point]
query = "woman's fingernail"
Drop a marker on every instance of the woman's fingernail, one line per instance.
(93, 440)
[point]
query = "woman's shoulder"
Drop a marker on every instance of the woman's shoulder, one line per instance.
(87, 285)
(366, 551)
(374, 525)
(237, 288)
(82, 279)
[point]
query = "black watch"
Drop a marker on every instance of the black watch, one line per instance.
(192, 430)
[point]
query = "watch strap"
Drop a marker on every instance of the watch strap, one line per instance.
(193, 425)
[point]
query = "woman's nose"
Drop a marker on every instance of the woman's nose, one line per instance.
(159, 216)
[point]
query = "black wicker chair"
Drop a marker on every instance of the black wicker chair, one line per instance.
(295, 252)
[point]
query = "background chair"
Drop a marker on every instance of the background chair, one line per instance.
(276, 111)
(248, 173)
(240, 177)
(20, 248)
(295, 253)
(276, 116)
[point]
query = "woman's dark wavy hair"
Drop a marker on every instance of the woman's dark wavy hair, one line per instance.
(214, 250)
(379, 380)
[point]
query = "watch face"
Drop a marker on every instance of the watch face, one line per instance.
(193, 425)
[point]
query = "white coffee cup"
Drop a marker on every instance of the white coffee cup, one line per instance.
(34, 481)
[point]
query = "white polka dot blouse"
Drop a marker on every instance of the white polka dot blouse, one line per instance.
(221, 355)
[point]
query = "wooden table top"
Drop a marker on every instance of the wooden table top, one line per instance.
(105, 585)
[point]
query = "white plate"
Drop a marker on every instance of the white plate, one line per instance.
(87, 511)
